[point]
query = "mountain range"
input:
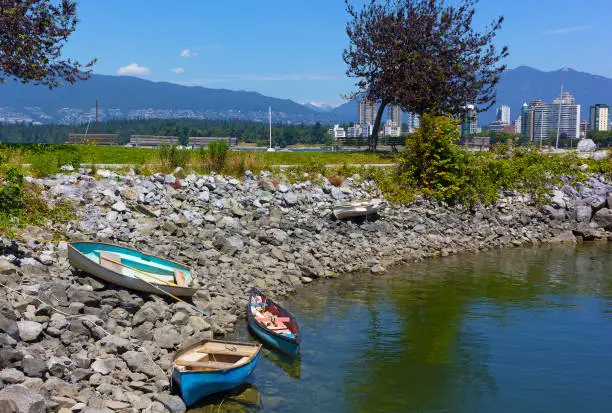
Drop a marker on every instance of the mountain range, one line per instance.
(123, 97)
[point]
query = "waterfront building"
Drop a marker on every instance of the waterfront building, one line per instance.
(503, 115)
(392, 130)
(497, 126)
(394, 115)
(354, 131)
(337, 132)
(469, 124)
(599, 117)
(561, 117)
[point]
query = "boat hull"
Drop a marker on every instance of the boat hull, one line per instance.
(79, 260)
(286, 344)
(195, 385)
(356, 210)
(276, 341)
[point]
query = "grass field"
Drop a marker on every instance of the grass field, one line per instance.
(89, 154)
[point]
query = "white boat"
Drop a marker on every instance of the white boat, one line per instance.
(357, 209)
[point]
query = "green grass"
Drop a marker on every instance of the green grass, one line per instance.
(88, 154)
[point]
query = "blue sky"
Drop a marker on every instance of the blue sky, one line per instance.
(293, 49)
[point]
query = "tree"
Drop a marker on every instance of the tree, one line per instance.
(422, 55)
(32, 34)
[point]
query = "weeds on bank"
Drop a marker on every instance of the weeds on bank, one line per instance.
(21, 203)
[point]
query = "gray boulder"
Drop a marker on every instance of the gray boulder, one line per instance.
(582, 213)
(173, 403)
(11, 376)
(228, 245)
(29, 330)
(603, 218)
(20, 399)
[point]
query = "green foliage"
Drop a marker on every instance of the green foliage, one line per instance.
(432, 161)
(44, 164)
(172, 156)
(213, 157)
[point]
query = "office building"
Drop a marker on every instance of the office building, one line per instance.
(503, 115)
(524, 119)
(599, 117)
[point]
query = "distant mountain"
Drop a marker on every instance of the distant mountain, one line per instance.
(347, 111)
(124, 97)
(319, 107)
(524, 84)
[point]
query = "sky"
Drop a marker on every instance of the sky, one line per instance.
(293, 48)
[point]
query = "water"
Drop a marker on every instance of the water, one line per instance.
(518, 330)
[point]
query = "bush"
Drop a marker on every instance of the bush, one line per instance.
(171, 156)
(213, 157)
(44, 164)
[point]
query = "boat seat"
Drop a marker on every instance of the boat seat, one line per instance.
(241, 361)
(111, 261)
(279, 319)
(179, 278)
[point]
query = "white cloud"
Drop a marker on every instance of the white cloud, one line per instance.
(567, 30)
(134, 70)
(188, 53)
(178, 70)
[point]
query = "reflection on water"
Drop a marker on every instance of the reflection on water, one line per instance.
(505, 331)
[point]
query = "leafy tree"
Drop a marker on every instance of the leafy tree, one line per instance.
(423, 55)
(32, 34)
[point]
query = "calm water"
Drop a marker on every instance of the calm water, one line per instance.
(519, 330)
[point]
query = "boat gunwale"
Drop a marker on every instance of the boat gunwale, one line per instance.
(167, 289)
(292, 340)
(199, 343)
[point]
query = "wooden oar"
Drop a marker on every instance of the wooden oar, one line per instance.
(142, 272)
(173, 296)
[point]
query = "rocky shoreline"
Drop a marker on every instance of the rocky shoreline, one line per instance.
(69, 342)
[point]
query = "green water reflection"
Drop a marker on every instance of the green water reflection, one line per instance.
(505, 331)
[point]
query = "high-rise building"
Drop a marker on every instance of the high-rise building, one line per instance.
(518, 124)
(367, 111)
(584, 127)
(503, 115)
(599, 117)
(469, 125)
(413, 122)
(562, 117)
(524, 119)
(394, 115)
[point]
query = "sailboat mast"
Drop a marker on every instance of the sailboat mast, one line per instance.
(270, 120)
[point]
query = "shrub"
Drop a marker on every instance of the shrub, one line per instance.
(213, 157)
(171, 156)
(44, 164)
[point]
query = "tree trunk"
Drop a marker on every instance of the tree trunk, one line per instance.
(373, 140)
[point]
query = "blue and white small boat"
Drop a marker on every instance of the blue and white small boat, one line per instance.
(131, 269)
(212, 366)
(272, 323)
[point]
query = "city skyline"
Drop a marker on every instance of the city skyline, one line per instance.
(275, 49)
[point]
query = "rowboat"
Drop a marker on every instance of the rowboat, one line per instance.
(272, 323)
(212, 366)
(357, 209)
(129, 268)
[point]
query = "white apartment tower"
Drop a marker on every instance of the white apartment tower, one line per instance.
(503, 114)
(599, 117)
(562, 116)
(394, 115)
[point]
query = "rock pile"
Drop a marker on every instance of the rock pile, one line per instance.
(69, 342)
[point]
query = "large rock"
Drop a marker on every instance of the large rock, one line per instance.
(9, 326)
(603, 218)
(139, 361)
(20, 399)
(582, 213)
(11, 376)
(228, 245)
(34, 367)
(586, 145)
(173, 403)
(29, 330)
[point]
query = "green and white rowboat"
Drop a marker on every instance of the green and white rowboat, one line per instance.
(131, 269)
